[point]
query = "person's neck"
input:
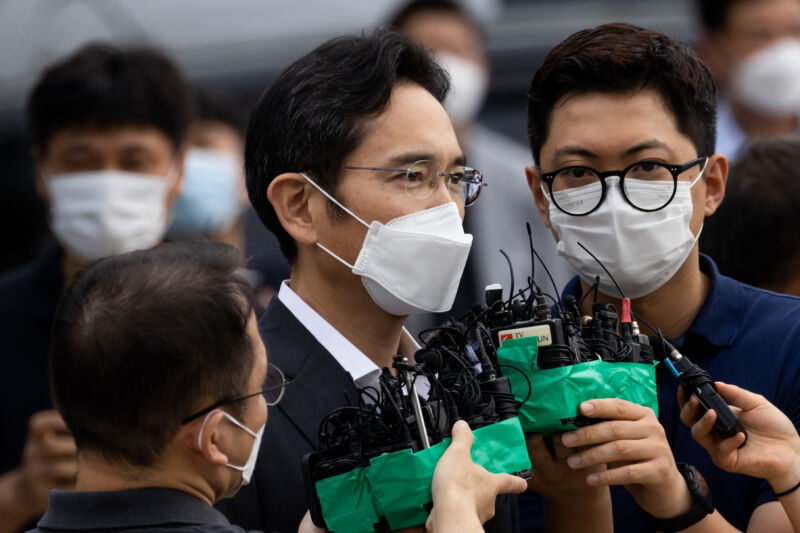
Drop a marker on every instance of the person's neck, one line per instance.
(673, 307)
(754, 124)
(349, 309)
(97, 475)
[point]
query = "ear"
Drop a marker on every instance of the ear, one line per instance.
(716, 178)
(539, 198)
(208, 442)
(296, 206)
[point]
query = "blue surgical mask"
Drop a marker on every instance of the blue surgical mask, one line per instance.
(209, 198)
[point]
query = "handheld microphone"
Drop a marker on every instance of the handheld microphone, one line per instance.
(698, 382)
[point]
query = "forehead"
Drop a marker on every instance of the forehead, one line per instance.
(214, 135)
(444, 31)
(110, 140)
(412, 122)
(610, 124)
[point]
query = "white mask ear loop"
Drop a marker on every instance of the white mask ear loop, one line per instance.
(229, 417)
(701, 173)
(335, 201)
(332, 199)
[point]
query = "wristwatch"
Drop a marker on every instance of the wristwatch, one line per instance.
(699, 509)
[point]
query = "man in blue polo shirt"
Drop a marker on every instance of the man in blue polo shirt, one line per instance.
(622, 128)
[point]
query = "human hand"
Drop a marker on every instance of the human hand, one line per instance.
(463, 492)
(633, 444)
(553, 479)
(49, 461)
(772, 450)
(307, 525)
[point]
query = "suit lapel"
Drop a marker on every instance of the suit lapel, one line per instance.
(319, 384)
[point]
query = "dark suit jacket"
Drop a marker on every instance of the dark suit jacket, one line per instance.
(276, 500)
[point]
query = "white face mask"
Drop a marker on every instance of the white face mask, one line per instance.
(411, 264)
(468, 86)
(250, 466)
(769, 80)
(209, 198)
(641, 249)
(102, 213)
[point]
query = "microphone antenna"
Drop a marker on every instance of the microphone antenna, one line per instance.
(547, 270)
(622, 295)
(511, 271)
(533, 260)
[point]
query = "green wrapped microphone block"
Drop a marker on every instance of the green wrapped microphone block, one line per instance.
(397, 486)
(557, 393)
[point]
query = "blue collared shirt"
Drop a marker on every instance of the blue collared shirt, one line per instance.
(744, 336)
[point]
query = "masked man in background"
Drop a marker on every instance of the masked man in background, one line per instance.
(108, 127)
(753, 49)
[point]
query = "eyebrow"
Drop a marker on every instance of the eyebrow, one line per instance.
(652, 144)
(134, 148)
(80, 146)
(408, 158)
(576, 149)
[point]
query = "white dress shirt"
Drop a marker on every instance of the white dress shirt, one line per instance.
(361, 368)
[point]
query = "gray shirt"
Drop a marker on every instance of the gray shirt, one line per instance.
(148, 509)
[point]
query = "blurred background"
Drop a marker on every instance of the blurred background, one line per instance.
(236, 47)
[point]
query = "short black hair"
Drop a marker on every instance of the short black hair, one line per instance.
(311, 117)
(450, 7)
(143, 339)
(753, 235)
(622, 58)
(102, 86)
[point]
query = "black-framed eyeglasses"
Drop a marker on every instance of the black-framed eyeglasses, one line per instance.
(421, 178)
(272, 389)
(646, 185)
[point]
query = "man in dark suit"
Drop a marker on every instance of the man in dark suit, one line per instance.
(352, 162)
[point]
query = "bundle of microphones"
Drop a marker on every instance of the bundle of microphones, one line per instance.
(457, 369)
(465, 381)
(571, 337)
(453, 377)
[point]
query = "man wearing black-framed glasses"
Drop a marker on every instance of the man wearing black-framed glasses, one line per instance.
(621, 122)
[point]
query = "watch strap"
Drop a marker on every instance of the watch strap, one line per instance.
(701, 506)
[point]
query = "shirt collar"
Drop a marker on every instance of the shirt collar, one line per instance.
(720, 315)
(83, 511)
(360, 367)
